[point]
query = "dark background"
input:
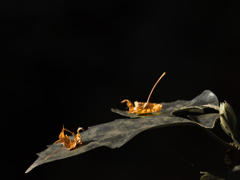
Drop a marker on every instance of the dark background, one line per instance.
(70, 62)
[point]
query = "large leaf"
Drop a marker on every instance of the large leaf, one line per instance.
(117, 133)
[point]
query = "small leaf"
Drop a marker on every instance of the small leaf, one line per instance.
(229, 122)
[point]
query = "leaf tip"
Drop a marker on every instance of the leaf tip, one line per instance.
(29, 169)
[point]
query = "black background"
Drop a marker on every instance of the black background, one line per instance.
(70, 62)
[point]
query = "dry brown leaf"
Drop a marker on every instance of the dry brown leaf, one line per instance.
(68, 142)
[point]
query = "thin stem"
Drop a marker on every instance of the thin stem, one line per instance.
(153, 89)
(54, 152)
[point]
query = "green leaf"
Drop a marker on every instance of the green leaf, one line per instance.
(116, 133)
